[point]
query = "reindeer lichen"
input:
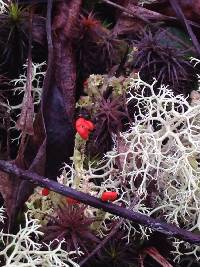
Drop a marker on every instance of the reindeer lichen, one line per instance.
(3, 6)
(155, 163)
(37, 78)
(24, 249)
(19, 88)
(2, 210)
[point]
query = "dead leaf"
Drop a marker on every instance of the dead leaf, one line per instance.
(25, 122)
(59, 107)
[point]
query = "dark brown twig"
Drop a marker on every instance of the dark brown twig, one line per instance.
(103, 242)
(136, 217)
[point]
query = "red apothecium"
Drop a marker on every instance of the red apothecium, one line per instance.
(45, 191)
(84, 127)
(109, 196)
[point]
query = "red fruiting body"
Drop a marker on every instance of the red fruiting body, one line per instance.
(83, 127)
(72, 201)
(79, 122)
(85, 83)
(84, 133)
(109, 196)
(89, 125)
(45, 191)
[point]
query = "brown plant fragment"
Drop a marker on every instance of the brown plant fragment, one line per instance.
(191, 8)
(59, 104)
(154, 253)
(64, 27)
(25, 122)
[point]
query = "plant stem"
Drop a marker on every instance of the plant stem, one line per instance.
(103, 242)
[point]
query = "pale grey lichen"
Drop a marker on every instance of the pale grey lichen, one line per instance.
(161, 145)
(196, 61)
(24, 249)
(144, 2)
(37, 78)
(3, 6)
(19, 88)
(2, 217)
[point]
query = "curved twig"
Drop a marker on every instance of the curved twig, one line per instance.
(136, 217)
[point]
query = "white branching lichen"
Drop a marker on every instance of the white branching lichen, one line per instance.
(3, 6)
(2, 217)
(155, 163)
(144, 2)
(196, 61)
(37, 77)
(19, 84)
(23, 249)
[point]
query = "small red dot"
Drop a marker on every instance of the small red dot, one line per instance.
(45, 191)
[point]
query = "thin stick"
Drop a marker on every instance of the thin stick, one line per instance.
(136, 217)
(103, 242)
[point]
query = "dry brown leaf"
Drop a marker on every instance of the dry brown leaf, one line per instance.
(136, 19)
(25, 122)
(59, 108)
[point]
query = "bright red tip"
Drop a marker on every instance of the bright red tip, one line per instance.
(109, 196)
(90, 125)
(45, 191)
(83, 127)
